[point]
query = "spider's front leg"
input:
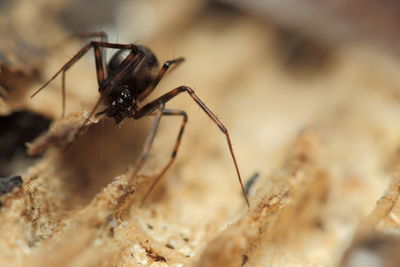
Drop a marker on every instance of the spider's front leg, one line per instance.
(100, 69)
(160, 75)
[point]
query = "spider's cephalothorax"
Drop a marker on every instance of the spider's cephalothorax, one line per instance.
(122, 102)
(130, 77)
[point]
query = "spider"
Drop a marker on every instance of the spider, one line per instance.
(130, 76)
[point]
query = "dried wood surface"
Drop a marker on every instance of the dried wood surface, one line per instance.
(323, 134)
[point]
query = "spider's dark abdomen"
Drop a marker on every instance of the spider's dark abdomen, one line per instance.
(142, 76)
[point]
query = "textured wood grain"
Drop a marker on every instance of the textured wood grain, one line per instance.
(320, 124)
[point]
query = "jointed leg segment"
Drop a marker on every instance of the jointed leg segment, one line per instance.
(99, 59)
(160, 75)
(169, 112)
(150, 107)
(149, 140)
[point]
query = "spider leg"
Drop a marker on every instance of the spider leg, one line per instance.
(160, 75)
(99, 64)
(150, 107)
(103, 38)
(169, 112)
(150, 138)
(100, 69)
(86, 35)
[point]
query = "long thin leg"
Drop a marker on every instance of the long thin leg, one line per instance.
(160, 75)
(169, 112)
(149, 139)
(103, 38)
(99, 65)
(86, 35)
(150, 107)
(100, 69)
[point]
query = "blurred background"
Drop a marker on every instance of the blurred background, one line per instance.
(271, 70)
